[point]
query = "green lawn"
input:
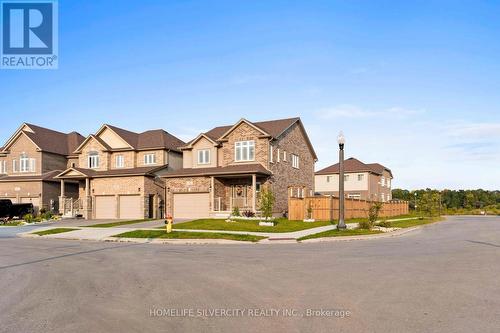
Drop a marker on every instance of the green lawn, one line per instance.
(282, 225)
(187, 235)
(54, 231)
(413, 223)
(339, 233)
(116, 224)
(11, 224)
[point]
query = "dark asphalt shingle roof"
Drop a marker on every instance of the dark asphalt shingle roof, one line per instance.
(117, 172)
(150, 139)
(354, 165)
(53, 141)
(213, 171)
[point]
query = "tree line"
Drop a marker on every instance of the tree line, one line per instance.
(450, 199)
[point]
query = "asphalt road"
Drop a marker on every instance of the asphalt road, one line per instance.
(443, 278)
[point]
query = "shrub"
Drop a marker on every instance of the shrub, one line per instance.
(267, 203)
(43, 211)
(385, 224)
(28, 218)
(46, 215)
(236, 211)
(248, 213)
(372, 216)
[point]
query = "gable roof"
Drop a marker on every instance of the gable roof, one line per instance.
(272, 128)
(48, 140)
(141, 141)
(354, 165)
(84, 173)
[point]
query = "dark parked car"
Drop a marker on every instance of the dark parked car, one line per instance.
(8, 210)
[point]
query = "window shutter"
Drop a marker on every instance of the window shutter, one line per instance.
(32, 164)
(14, 165)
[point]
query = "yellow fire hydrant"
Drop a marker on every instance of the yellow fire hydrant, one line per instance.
(168, 224)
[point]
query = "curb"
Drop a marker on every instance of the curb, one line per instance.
(396, 233)
(176, 241)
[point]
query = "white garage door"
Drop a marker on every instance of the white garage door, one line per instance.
(105, 207)
(130, 207)
(191, 205)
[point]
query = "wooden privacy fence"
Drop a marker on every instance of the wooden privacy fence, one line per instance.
(327, 208)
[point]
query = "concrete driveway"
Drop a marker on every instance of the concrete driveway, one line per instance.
(443, 278)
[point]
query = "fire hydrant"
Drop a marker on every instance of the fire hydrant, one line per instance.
(168, 224)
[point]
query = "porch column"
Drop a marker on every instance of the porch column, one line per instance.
(254, 193)
(88, 207)
(212, 193)
(62, 199)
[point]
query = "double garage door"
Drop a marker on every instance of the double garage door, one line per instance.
(191, 205)
(130, 207)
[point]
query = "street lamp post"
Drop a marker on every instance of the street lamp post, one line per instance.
(341, 141)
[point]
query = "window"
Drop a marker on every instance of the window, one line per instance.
(295, 161)
(284, 155)
(3, 167)
(204, 156)
(14, 165)
(346, 178)
(244, 151)
(120, 161)
(328, 179)
(26, 164)
(93, 160)
(382, 181)
(360, 177)
(149, 159)
(271, 152)
(278, 159)
(258, 187)
(388, 183)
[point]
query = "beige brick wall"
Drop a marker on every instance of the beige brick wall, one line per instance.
(244, 132)
(104, 157)
(128, 159)
(23, 145)
(160, 157)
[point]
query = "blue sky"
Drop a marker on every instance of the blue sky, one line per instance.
(413, 85)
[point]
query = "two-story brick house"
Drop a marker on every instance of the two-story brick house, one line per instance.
(30, 159)
(227, 166)
(117, 173)
(363, 181)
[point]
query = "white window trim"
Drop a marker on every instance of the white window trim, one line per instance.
(278, 159)
(284, 155)
(242, 146)
(205, 156)
(150, 159)
(271, 152)
(361, 177)
(93, 160)
(3, 167)
(24, 163)
(119, 161)
(14, 166)
(295, 161)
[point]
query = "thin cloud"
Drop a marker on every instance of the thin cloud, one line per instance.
(474, 130)
(353, 111)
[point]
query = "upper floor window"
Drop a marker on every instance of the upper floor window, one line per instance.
(26, 164)
(271, 153)
(388, 182)
(278, 159)
(360, 177)
(244, 151)
(120, 161)
(284, 155)
(149, 159)
(346, 178)
(93, 160)
(204, 156)
(3, 167)
(328, 178)
(382, 181)
(295, 161)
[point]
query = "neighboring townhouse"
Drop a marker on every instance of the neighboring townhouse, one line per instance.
(228, 166)
(29, 161)
(361, 181)
(117, 174)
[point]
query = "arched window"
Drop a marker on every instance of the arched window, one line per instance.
(93, 160)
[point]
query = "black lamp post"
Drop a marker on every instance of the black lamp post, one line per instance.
(341, 142)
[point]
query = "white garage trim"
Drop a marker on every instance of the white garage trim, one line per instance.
(105, 207)
(191, 205)
(131, 207)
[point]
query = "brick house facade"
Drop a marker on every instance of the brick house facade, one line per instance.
(227, 166)
(29, 161)
(117, 174)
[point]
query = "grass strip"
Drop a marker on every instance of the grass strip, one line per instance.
(162, 234)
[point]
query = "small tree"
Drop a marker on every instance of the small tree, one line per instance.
(372, 216)
(236, 211)
(267, 200)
